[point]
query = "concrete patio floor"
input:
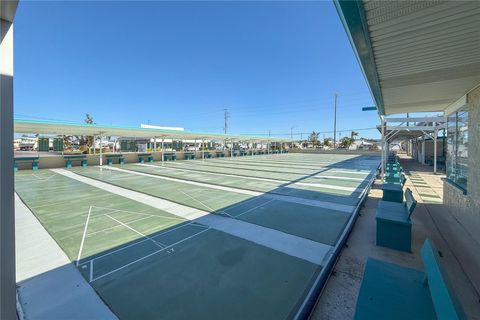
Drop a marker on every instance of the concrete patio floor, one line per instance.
(430, 220)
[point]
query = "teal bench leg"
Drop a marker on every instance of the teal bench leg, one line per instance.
(109, 162)
(68, 164)
(15, 167)
(141, 160)
(121, 161)
(34, 165)
(84, 163)
(150, 159)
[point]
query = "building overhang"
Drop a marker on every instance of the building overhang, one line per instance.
(416, 56)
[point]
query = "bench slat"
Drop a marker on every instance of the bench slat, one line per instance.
(446, 306)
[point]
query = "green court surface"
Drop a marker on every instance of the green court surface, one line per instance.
(147, 261)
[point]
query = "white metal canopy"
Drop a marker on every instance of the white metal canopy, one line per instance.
(67, 128)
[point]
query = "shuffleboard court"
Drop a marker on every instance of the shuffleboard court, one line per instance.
(191, 239)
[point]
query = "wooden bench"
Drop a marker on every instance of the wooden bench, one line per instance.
(393, 191)
(394, 227)
(189, 156)
(112, 156)
(170, 156)
(32, 159)
(145, 156)
(75, 157)
(220, 155)
(389, 291)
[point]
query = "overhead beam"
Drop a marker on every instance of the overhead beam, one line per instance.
(416, 119)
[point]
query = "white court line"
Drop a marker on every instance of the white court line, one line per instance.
(140, 213)
(286, 198)
(84, 235)
(160, 245)
(147, 256)
(117, 226)
(203, 204)
(286, 243)
(191, 223)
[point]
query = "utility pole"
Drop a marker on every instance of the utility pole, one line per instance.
(335, 123)
(225, 118)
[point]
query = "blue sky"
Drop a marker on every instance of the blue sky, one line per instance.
(274, 65)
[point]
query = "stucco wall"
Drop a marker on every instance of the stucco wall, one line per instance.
(466, 207)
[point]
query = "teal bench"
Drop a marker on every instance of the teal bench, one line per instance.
(145, 156)
(208, 155)
(32, 160)
(389, 291)
(236, 153)
(394, 191)
(113, 156)
(75, 157)
(394, 226)
(189, 156)
(243, 153)
(170, 157)
(220, 155)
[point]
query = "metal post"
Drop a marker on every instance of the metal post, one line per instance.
(101, 159)
(7, 200)
(335, 123)
(435, 134)
(383, 147)
(423, 150)
(163, 157)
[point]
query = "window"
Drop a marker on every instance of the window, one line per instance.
(457, 149)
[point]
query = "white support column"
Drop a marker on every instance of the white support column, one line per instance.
(252, 148)
(163, 151)
(94, 139)
(7, 202)
(383, 147)
(203, 149)
(154, 144)
(435, 134)
(101, 159)
(268, 148)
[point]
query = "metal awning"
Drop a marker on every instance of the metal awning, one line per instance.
(417, 56)
(71, 128)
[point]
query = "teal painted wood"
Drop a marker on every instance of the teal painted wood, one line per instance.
(392, 292)
(446, 304)
(392, 192)
(394, 226)
(394, 234)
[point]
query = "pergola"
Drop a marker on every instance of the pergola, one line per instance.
(409, 128)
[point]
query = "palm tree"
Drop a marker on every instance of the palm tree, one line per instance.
(353, 134)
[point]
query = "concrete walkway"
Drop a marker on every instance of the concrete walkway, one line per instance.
(430, 220)
(49, 287)
(292, 245)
